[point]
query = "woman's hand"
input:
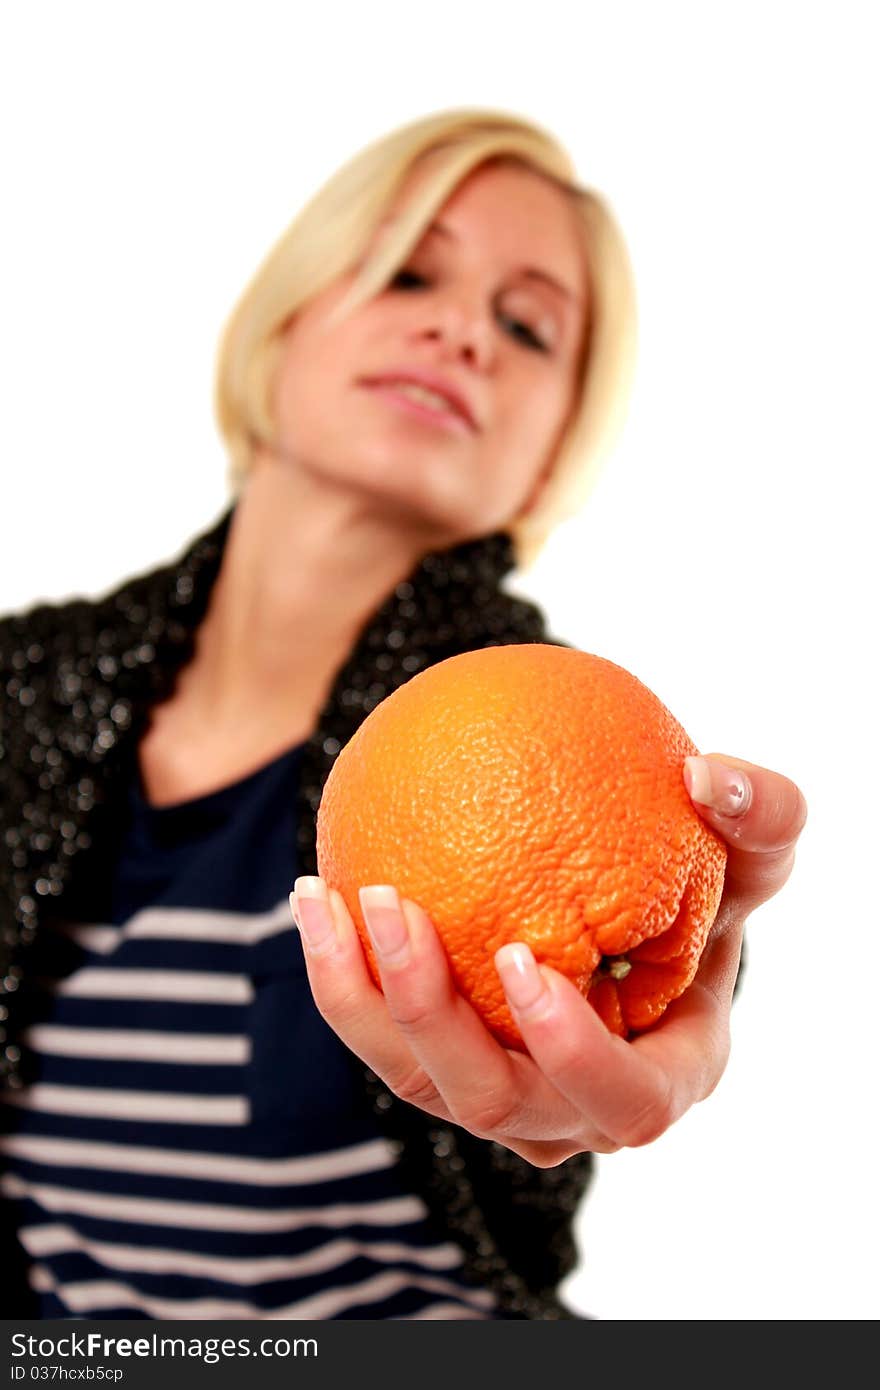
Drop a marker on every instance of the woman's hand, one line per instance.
(581, 1088)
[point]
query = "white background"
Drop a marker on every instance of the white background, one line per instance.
(728, 556)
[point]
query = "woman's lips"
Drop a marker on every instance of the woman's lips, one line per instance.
(419, 410)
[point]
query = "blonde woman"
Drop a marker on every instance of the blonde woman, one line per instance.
(209, 1113)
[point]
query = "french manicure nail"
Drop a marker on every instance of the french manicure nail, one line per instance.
(522, 980)
(385, 922)
(726, 790)
(312, 912)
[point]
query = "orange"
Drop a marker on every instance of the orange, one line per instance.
(531, 793)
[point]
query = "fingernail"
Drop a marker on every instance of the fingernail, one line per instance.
(386, 923)
(522, 980)
(726, 790)
(311, 911)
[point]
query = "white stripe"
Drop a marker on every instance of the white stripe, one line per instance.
(157, 1106)
(129, 1045)
(438, 1311)
(210, 1216)
(182, 924)
(99, 939)
(57, 1239)
(370, 1157)
(182, 986)
(89, 1296)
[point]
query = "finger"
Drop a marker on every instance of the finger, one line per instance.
(347, 998)
(692, 1040)
(719, 963)
(487, 1088)
(621, 1094)
(759, 813)
(691, 1044)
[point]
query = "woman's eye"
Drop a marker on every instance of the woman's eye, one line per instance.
(410, 279)
(531, 337)
(409, 276)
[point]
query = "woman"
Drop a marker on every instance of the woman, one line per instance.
(204, 1120)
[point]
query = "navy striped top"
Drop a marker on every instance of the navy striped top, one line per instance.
(195, 1142)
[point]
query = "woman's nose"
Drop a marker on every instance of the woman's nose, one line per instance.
(463, 325)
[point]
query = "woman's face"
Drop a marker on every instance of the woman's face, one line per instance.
(491, 304)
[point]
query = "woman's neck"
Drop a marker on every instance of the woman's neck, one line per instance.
(305, 566)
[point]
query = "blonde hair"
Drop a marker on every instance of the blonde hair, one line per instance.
(330, 236)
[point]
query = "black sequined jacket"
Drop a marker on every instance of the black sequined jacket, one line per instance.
(77, 681)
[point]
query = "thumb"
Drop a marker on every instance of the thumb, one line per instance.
(757, 812)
